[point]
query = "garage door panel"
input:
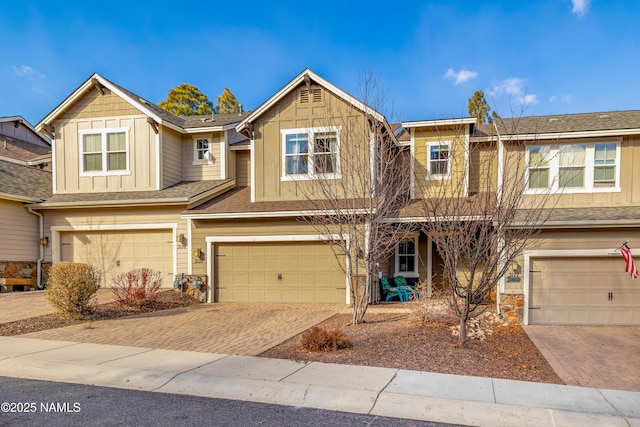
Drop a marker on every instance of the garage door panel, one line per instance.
(577, 291)
(308, 272)
(116, 252)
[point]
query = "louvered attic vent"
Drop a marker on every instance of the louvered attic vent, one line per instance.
(314, 96)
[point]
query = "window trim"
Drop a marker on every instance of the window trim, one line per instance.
(431, 176)
(103, 132)
(197, 161)
(410, 274)
(589, 168)
(310, 155)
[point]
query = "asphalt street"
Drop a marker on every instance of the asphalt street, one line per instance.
(44, 403)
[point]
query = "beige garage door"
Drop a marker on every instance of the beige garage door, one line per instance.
(116, 252)
(583, 291)
(278, 272)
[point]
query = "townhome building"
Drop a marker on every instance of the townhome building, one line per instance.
(222, 197)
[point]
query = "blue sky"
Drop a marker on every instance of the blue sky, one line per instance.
(555, 56)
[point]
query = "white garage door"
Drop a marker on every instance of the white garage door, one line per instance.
(116, 252)
(278, 272)
(583, 291)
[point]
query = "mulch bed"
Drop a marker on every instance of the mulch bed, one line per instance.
(402, 341)
(166, 300)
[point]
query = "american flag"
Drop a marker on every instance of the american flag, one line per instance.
(631, 266)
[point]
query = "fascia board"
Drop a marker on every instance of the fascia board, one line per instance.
(570, 135)
(271, 214)
(440, 122)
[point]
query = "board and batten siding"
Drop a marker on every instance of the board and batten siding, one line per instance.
(243, 168)
(202, 170)
(142, 157)
(19, 233)
(22, 133)
(290, 113)
(172, 157)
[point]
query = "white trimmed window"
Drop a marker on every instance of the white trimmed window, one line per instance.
(407, 257)
(574, 168)
(202, 150)
(439, 159)
(311, 153)
(104, 152)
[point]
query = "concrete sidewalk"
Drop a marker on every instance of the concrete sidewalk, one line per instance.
(358, 389)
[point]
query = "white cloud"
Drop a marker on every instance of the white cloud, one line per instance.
(564, 98)
(28, 72)
(461, 76)
(580, 7)
(514, 87)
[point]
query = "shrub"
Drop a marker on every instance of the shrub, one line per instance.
(72, 287)
(319, 339)
(137, 287)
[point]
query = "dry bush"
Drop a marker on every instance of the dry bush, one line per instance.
(319, 339)
(72, 288)
(137, 287)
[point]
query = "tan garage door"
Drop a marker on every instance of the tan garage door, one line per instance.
(278, 272)
(116, 252)
(583, 291)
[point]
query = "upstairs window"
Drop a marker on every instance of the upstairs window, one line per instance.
(439, 159)
(572, 165)
(604, 174)
(202, 150)
(104, 152)
(574, 168)
(539, 167)
(311, 153)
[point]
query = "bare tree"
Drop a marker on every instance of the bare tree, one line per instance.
(369, 187)
(479, 218)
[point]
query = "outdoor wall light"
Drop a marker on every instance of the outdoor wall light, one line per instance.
(44, 241)
(181, 238)
(515, 267)
(197, 253)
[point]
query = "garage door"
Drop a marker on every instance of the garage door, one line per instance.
(278, 272)
(583, 291)
(116, 252)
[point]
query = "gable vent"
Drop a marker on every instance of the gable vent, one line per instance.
(304, 96)
(316, 94)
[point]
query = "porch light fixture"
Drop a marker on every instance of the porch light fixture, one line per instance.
(197, 253)
(515, 266)
(181, 238)
(44, 241)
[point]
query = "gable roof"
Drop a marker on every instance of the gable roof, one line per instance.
(574, 125)
(148, 108)
(162, 117)
(299, 79)
(24, 183)
(19, 120)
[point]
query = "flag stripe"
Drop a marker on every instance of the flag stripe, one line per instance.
(630, 265)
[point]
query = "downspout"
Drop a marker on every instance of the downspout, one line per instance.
(39, 262)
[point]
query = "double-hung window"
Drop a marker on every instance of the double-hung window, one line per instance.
(407, 257)
(310, 153)
(539, 167)
(202, 150)
(574, 168)
(104, 151)
(439, 159)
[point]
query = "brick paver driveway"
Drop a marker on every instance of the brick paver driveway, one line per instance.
(247, 329)
(591, 356)
(23, 305)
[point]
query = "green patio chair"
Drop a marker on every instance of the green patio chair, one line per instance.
(392, 291)
(402, 285)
